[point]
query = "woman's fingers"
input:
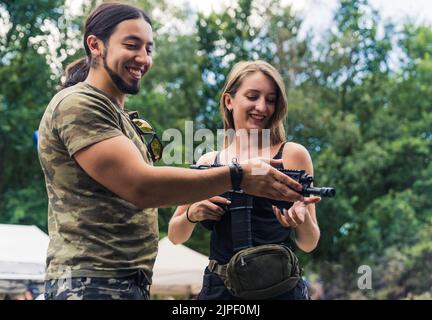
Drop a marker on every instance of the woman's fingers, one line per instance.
(295, 216)
(284, 219)
(210, 211)
(288, 216)
(279, 216)
(219, 199)
(210, 216)
(213, 208)
(312, 199)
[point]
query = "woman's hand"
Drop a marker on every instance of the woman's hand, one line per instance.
(296, 215)
(208, 209)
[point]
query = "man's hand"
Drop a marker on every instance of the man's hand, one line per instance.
(263, 180)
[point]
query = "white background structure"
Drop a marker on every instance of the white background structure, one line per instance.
(23, 251)
(178, 270)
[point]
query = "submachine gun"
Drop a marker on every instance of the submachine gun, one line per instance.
(242, 203)
(300, 176)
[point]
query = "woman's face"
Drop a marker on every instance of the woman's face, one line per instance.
(254, 103)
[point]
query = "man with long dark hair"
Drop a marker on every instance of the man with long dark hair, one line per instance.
(102, 187)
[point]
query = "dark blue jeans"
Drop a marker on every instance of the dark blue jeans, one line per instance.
(214, 289)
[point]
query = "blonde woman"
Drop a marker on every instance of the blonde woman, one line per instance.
(253, 98)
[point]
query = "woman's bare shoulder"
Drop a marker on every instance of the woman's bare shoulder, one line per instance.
(296, 156)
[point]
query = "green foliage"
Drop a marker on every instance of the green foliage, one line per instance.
(230, 36)
(26, 86)
(377, 149)
(28, 205)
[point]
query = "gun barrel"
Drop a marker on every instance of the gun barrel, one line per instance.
(322, 192)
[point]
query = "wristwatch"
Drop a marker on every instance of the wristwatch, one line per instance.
(236, 172)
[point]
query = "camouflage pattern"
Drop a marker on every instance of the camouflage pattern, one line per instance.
(93, 232)
(86, 288)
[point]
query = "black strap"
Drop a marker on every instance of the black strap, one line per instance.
(241, 212)
(280, 151)
(236, 173)
(241, 228)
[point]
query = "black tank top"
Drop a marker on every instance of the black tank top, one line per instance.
(265, 227)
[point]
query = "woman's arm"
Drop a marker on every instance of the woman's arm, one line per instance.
(180, 228)
(302, 215)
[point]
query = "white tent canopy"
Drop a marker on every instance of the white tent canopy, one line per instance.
(23, 251)
(177, 270)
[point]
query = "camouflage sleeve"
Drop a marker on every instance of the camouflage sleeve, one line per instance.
(80, 121)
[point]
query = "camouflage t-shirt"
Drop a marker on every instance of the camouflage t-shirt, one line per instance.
(93, 232)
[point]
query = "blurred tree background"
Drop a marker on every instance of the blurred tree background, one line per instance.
(359, 101)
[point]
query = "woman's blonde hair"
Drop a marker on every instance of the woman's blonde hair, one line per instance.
(235, 78)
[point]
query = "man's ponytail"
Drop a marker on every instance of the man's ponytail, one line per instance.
(76, 72)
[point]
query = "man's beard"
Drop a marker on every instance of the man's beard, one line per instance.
(119, 82)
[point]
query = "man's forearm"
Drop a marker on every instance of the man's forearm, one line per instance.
(168, 186)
